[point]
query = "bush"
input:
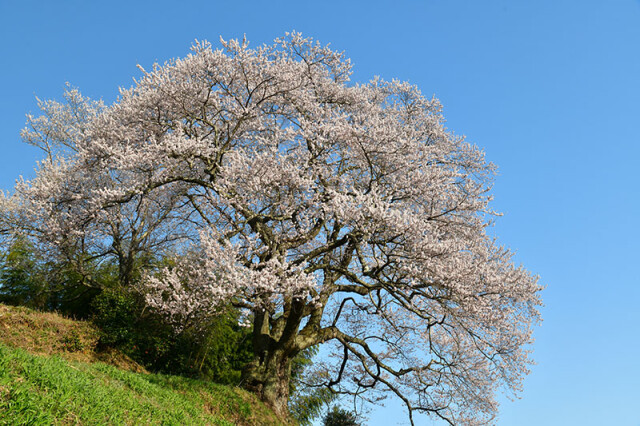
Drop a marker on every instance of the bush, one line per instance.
(114, 314)
(221, 348)
(340, 417)
(216, 350)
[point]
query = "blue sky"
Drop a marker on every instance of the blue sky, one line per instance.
(550, 89)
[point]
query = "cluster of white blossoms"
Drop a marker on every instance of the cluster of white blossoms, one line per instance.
(203, 282)
(332, 212)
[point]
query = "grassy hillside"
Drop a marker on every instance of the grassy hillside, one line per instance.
(50, 373)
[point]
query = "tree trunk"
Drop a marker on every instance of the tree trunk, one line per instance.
(268, 377)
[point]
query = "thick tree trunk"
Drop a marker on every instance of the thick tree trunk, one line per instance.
(268, 377)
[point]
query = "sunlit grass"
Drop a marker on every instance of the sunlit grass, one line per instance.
(52, 377)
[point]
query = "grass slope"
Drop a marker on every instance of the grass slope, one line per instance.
(49, 374)
(47, 333)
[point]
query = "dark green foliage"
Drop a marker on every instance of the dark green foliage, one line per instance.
(216, 350)
(28, 280)
(114, 312)
(69, 293)
(306, 406)
(222, 348)
(303, 360)
(21, 280)
(340, 417)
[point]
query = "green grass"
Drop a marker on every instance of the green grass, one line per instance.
(45, 382)
(38, 390)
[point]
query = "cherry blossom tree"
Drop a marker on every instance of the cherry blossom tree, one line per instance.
(332, 213)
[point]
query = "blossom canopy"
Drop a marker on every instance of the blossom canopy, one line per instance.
(330, 212)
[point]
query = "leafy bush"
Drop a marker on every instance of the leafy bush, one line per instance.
(221, 348)
(216, 350)
(114, 314)
(340, 417)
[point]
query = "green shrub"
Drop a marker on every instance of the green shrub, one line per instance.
(217, 350)
(72, 342)
(114, 312)
(340, 417)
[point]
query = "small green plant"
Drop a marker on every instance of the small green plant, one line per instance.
(72, 342)
(340, 417)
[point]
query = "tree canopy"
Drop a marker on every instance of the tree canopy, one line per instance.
(329, 212)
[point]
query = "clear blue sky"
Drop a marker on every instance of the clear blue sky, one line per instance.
(550, 89)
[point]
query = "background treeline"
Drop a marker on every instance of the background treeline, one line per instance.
(215, 350)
